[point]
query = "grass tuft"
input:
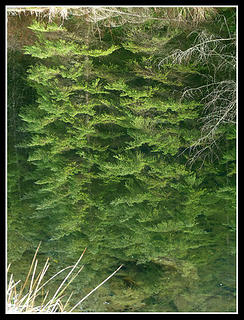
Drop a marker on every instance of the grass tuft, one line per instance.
(24, 299)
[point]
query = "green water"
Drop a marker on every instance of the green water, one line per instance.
(119, 141)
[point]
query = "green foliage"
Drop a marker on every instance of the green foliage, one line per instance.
(43, 27)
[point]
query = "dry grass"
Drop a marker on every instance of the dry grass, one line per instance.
(24, 299)
(115, 16)
(19, 18)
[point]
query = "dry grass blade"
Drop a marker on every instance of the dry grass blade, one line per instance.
(66, 304)
(38, 281)
(28, 275)
(96, 288)
(57, 292)
(71, 280)
(30, 296)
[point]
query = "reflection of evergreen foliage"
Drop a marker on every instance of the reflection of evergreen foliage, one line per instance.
(100, 165)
